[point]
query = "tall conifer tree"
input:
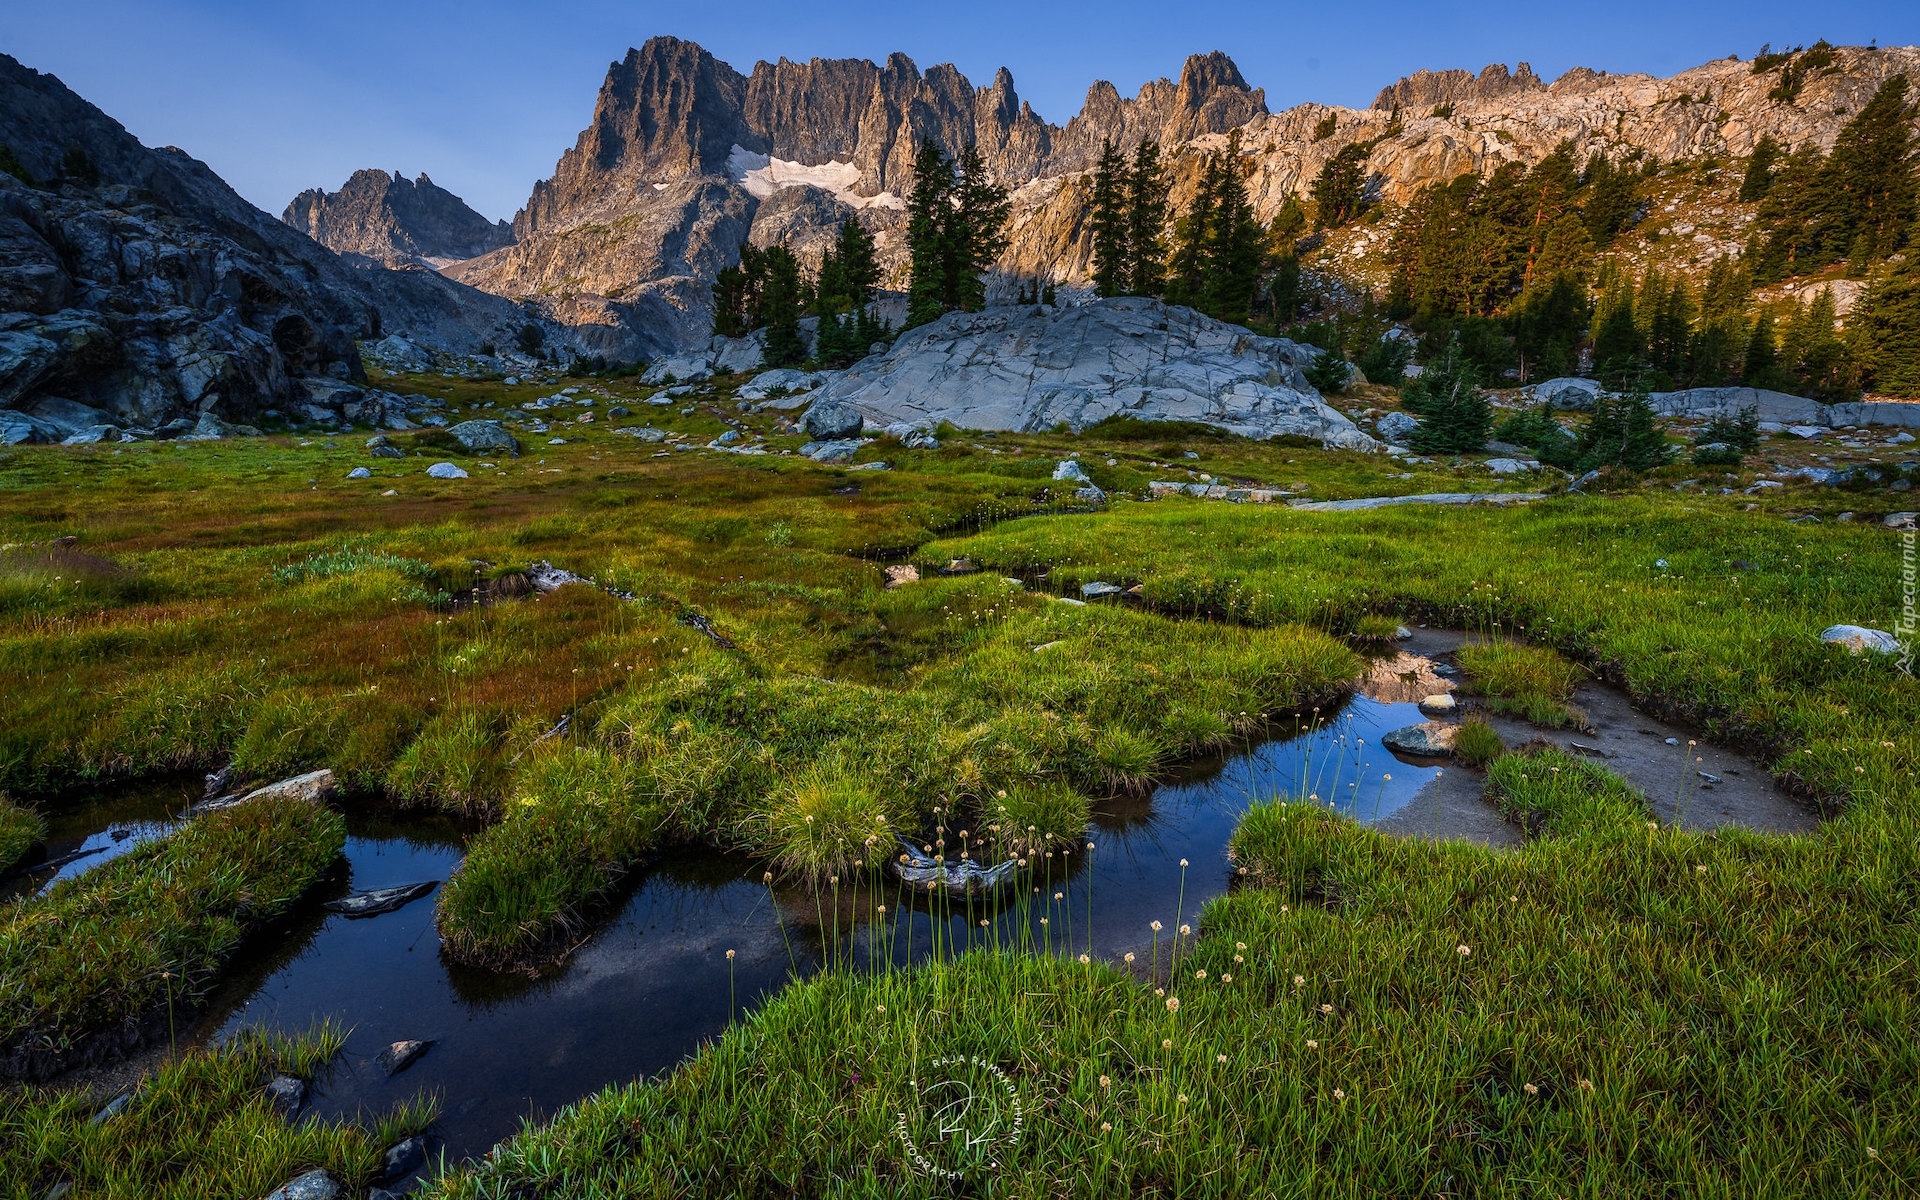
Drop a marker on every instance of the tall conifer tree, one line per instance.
(1110, 224)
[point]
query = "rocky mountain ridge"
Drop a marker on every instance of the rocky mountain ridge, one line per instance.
(686, 157)
(389, 220)
(683, 151)
(139, 292)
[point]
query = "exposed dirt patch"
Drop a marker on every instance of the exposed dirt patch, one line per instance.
(1630, 743)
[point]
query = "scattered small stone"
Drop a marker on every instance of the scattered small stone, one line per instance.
(1708, 777)
(359, 473)
(959, 566)
(387, 452)
(1094, 591)
(1661, 563)
(902, 573)
(1899, 520)
(401, 1055)
(1403, 633)
(287, 1093)
(1858, 639)
(446, 470)
(1673, 741)
(375, 901)
(314, 1185)
(1438, 705)
(1589, 751)
(113, 1108)
(389, 492)
(556, 441)
(403, 1159)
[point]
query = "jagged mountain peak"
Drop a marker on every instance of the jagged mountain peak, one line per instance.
(388, 219)
(1428, 89)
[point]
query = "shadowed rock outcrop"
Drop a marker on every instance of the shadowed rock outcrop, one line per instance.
(140, 292)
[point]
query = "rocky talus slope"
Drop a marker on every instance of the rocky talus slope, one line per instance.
(389, 220)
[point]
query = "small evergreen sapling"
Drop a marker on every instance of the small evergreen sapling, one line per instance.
(1453, 411)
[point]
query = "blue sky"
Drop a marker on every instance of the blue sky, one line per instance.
(484, 94)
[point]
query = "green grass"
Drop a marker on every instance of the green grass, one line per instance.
(199, 1126)
(1015, 701)
(1746, 1027)
(574, 826)
(1615, 1009)
(1476, 743)
(1530, 682)
(20, 828)
(140, 941)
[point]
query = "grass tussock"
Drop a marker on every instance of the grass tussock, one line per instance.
(1041, 701)
(1476, 743)
(20, 829)
(200, 1125)
(574, 826)
(1531, 682)
(827, 819)
(147, 933)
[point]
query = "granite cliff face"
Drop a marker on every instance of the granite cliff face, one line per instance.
(138, 290)
(685, 158)
(386, 219)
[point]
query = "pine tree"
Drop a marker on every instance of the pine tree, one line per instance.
(1612, 196)
(1187, 281)
(1619, 350)
(1550, 323)
(1760, 368)
(780, 303)
(1622, 433)
(976, 232)
(1871, 173)
(1455, 417)
(736, 294)
(1235, 249)
(850, 272)
(1340, 188)
(1111, 252)
(929, 205)
(1885, 330)
(1759, 177)
(1146, 222)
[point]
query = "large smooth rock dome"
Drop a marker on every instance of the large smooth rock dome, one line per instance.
(1035, 367)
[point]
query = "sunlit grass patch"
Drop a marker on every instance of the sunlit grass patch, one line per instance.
(1476, 743)
(823, 820)
(1545, 789)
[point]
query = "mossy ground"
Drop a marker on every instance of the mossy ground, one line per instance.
(1741, 1005)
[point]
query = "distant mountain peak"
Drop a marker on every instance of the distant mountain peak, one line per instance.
(386, 219)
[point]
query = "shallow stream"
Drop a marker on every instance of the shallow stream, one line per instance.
(652, 982)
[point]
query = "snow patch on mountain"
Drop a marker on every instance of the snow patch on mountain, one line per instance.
(762, 175)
